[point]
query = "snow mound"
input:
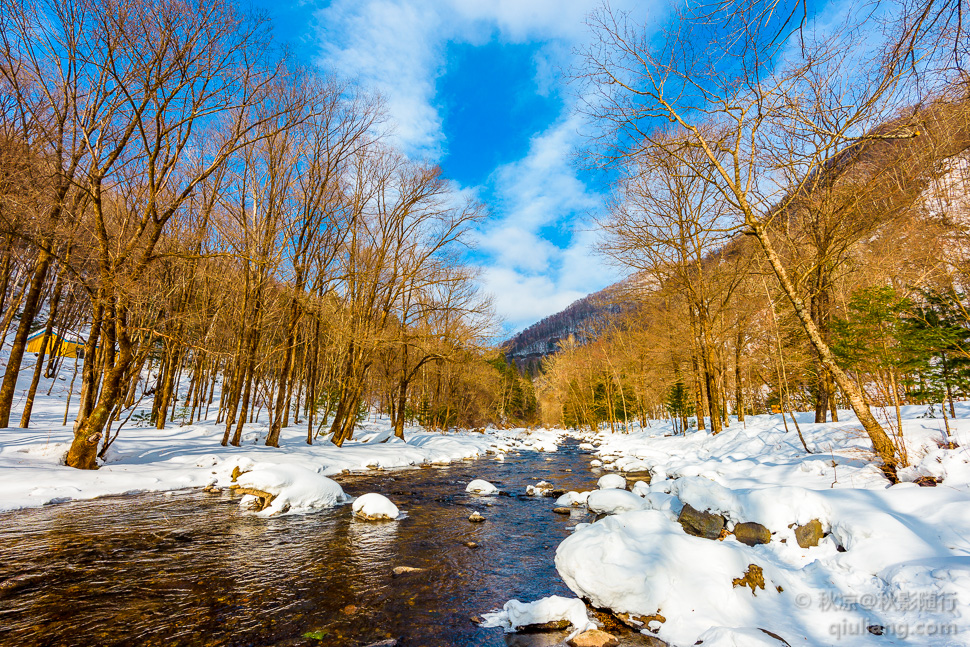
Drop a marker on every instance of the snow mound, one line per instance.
(295, 490)
(478, 486)
(515, 615)
(573, 498)
(614, 501)
(373, 507)
(611, 482)
(642, 563)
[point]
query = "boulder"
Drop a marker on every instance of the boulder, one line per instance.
(751, 533)
(593, 638)
(562, 510)
(809, 534)
(476, 517)
(700, 524)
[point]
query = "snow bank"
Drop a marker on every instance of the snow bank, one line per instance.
(373, 507)
(516, 615)
(295, 490)
(891, 568)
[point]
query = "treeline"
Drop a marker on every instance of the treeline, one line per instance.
(795, 206)
(206, 214)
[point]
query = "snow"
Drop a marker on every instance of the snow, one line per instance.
(542, 488)
(145, 459)
(611, 481)
(478, 486)
(613, 501)
(573, 498)
(893, 556)
(296, 490)
(375, 506)
(515, 615)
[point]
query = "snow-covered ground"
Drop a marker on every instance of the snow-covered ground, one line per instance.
(892, 569)
(142, 459)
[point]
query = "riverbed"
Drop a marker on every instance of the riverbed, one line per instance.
(189, 568)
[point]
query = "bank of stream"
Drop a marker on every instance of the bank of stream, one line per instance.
(189, 568)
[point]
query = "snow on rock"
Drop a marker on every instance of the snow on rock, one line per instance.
(611, 481)
(478, 486)
(516, 615)
(294, 489)
(573, 498)
(375, 507)
(642, 563)
(542, 488)
(893, 557)
(614, 501)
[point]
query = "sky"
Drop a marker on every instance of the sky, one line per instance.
(477, 86)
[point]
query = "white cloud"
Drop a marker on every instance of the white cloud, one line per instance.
(398, 47)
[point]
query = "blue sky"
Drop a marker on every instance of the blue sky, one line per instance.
(475, 86)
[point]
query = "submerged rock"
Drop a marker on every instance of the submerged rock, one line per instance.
(593, 638)
(404, 570)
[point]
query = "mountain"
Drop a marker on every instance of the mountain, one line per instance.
(578, 319)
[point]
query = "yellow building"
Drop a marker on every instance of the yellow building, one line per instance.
(70, 346)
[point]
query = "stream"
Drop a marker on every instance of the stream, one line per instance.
(188, 568)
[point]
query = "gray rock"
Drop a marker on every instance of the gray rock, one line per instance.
(751, 533)
(700, 524)
(810, 534)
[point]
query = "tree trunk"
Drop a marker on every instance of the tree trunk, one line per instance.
(881, 443)
(31, 306)
(39, 368)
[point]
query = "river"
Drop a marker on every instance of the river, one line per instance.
(188, 568)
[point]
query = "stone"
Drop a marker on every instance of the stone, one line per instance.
(561, 510)
(652, 641)
(552, 625)
(262, 500)
(471, 544)
(349, 610)
(404, 570)
(476, 517)
(593, 638)
(810, 534)
(390, 642)
(753, 577)
(700, 524)
(751, 533)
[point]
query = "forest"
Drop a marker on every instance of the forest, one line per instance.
(201, 211)
(798, 233)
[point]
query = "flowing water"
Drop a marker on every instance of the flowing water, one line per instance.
(188, 568)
